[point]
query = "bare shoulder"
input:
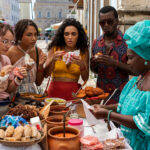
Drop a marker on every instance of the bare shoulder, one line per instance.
(12, 51)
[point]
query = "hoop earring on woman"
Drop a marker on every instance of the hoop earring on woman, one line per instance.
(145, 63)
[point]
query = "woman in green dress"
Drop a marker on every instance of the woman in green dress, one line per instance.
(133, 110)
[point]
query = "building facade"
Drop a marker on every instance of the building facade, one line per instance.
(48, 12)
(10, 11)
(130, 12)
(26, 9)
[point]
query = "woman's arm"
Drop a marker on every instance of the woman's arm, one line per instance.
(126, 120)
(40, 71)
(12, 86)
(50, 62)
(49, 65)
(84, 67)
(110, 107)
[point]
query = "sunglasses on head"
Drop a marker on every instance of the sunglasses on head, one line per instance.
(109, 22)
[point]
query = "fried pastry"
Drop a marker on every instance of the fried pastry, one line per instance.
(2, 133)
(81, 94)
(97, 91)
(38, 135)
(27, 131)
(103, 96)
(9, 131)
(11, 139)
(18, 132)
(2, 74)
(89, 91)
(25, 139)
(98, 54)
(34, 131)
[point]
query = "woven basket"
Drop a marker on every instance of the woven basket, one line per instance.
(29, 143)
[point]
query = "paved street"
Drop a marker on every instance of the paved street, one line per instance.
(42, 44)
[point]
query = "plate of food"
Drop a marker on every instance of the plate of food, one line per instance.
(57, 101)
(92, 95)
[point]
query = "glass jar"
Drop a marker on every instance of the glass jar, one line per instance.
(78, 124)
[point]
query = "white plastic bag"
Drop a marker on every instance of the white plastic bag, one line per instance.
(68, 55)
(89, 116)
(2, 79)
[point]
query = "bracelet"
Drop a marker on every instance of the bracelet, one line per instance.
(17, 83)
(108, 117)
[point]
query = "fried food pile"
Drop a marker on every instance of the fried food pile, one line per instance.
(91, 92)
(26, 111)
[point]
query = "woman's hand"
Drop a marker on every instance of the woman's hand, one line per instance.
(7, 69)
(56, 56)
(99, 112)
(78, 60)
(23, 71)
(42, 59)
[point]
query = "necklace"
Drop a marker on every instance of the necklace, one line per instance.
(19, 47)
(27, 56)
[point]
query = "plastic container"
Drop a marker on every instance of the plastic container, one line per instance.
(78, 124)
(36, 122)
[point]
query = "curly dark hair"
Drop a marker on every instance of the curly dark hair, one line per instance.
(20, 28)
(58, 40)
(4, 28)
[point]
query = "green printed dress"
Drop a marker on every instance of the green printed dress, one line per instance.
(137, 104)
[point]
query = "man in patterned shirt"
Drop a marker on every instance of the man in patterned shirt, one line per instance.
(109, 55)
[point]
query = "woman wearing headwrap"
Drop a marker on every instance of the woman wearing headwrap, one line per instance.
(133, 111)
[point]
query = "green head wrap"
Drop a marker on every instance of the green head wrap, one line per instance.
(138, 39)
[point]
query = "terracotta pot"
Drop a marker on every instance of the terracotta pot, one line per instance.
(56, 120)
(63, 143)
(58, 110)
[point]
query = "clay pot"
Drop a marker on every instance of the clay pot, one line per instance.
(63, 143)
(56, 120)
(58, 110)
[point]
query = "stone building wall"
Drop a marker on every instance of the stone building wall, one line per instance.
(48, 12)
(132, 11)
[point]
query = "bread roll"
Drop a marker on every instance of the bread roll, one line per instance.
(18, 132)
(9, 131)
(25, 139)
(34, 131)
(2, 133)
(27, 131)
(11, 139)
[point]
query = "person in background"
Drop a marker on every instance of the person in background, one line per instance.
(133, 111)
(70, 38)
(26, 33)
(10, 84)
(7, 37)
(46, 38)
(109, 55)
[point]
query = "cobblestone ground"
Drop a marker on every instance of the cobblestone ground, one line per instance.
(43, 45)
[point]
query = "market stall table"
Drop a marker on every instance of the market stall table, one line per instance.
(100, 131)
